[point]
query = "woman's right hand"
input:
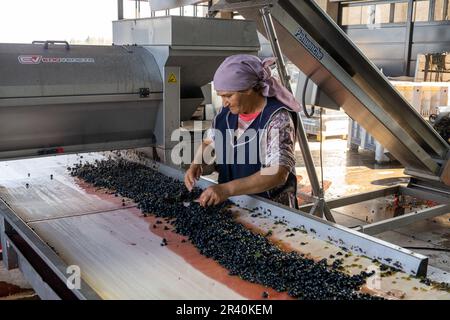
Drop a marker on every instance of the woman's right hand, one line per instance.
(192, 174)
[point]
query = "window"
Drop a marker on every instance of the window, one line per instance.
(441, 10)
(160, 13)
(382, 13)
(421, 10)
(144, 10)
(376, 13)
(188, 11)
(400, 12)
(202, 9)
(392, 11)
(175, 11)
(367, 14)
(347, 13)
(196, 10)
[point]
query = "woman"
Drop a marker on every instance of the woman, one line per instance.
(256, 109)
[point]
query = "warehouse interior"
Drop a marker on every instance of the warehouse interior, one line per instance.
(93, 203)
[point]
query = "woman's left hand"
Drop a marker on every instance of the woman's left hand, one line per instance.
(214, 195)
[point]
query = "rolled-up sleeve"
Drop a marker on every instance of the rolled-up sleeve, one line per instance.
(280, 141)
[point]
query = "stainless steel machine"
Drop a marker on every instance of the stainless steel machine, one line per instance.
(59, 98)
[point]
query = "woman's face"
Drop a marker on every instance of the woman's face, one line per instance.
(237, 101)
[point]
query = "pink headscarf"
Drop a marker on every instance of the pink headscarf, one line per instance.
(242, 71)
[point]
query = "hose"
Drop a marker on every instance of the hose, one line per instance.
(305, 111)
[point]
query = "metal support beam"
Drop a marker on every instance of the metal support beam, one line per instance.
(9, 256)
(408, 38)
(119, 9)
(424, 194)
(445, 13)
(345, 201)
(34, 278)
(391, 13)
(432, 10)
(397, 222)
(404, 220)
(168, 116)
(272, 36)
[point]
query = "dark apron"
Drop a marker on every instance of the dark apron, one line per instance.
(247, 147)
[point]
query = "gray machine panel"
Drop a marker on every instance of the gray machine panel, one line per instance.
(30, 70)
(56, 98)
(186, 31)
(196, 45)
(42, 129)
(62, 99)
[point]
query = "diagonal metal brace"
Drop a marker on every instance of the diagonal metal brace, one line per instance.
(320, 207)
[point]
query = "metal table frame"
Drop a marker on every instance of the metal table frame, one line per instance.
(443, 207)
(48, 274)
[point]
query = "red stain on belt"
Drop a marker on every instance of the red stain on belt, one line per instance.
(208, 266)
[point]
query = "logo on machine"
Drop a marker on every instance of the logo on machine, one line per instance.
(30, 59)
(35, 59)
(308, 44)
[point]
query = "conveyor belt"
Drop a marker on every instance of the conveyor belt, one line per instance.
(120, 253)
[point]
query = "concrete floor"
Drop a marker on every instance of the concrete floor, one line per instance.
(348, 172)
(345, 173)
(13, 286)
